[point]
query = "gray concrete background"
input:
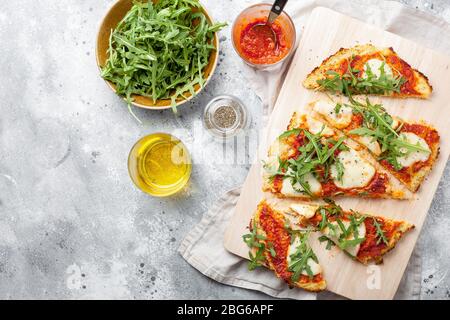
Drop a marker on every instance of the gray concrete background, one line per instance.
(72, 225)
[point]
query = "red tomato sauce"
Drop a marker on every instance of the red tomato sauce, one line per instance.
(272, 223)
(431, 137)
(357, 121)
(258, 46)
(295, 142)
(393, 61)
(273, 226)
(372, 248)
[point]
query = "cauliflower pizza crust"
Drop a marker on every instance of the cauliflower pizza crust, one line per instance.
(364, 237)
(339, 170)
(284, 249)
(410, 169)
(385, 67)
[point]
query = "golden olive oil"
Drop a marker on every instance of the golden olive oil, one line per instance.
(159, 164)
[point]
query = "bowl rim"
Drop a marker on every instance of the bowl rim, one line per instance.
(178, 103)
(265, 65)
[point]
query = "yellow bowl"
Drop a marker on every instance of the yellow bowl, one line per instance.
(110, 21)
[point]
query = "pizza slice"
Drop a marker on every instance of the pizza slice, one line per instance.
(285, 251)
(366, 69)
(406, 149)
(310, 160)
(364, 237)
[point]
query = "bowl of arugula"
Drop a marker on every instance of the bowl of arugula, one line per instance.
(157, 54)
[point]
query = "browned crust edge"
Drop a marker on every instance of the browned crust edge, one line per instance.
(308, 286)
(398, 234)
(417, 73)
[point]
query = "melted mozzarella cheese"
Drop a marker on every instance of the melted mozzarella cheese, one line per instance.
(305, 210)
(340, 119)
(395, 123)
(334, 236)
(357, 171)
(414, 156)
(279, 149)
(375, 66)
(293, 191)
(314, 266)
(271, 166)
(315, 127)
(272, 160)
(371, 144)
(288, 190)
(293, 220)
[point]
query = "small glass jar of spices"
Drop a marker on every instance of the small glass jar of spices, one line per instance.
(225, 116)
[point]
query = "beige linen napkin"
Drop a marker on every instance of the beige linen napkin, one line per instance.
(209, 256)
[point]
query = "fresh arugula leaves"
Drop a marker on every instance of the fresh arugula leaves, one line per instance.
(343, 234)
(299, 259)
(289, 133)
(330, 242)
(337, 108)
(275, 169)
(256, 244)
(378, 125)
(380, 233)
(339, 170)
(324, 219)
(346, 243)
(160, 50)
(351, 82)
(332, 207)
(272, 251)
(316, 156)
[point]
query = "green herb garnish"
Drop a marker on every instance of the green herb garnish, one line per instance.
(344, 244)
(337, 108)
(289, 133)
(340, 170)
(272, 251)
(316, 157)
(350, 82)
(274, 170)
(380, 233)
(160, 50)
(299, 259)
(324, 222)
(330, 242)
(377, 124)
(255, 242)
(338, 233)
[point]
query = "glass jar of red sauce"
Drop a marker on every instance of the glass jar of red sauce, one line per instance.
(254, 45)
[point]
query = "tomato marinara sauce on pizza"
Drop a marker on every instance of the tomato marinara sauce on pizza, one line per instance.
(279, 233)
(366, 69)
(310, 160)
(364, 237)
(408, 150)
(285, 250)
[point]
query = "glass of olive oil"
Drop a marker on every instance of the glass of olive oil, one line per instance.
(159, 164)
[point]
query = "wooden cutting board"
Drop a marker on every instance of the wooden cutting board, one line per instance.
(326, 32)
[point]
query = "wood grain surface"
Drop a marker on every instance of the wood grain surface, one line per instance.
(326, 32)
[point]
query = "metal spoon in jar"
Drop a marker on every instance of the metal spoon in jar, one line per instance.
(266, 28)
